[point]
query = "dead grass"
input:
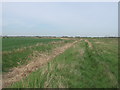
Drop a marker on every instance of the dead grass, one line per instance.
(22, 71)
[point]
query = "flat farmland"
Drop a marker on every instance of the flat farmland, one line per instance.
(60, 62)
(19, 42)
(17, 51)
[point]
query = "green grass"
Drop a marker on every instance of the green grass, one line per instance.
(78, 67)
(11, 43)
(16, 58)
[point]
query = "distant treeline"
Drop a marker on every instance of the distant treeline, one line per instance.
(58, 37)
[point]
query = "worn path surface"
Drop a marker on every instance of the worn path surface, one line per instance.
(20, 72)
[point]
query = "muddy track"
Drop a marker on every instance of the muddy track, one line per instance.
(20, 72)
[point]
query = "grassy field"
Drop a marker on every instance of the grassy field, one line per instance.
(92, 64)
(18, 51)
(19, 42)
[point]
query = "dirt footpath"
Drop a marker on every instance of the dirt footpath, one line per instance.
(20, 72)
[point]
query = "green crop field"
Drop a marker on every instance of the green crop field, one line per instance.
(88, 63)
(17, 42)
(17, 51)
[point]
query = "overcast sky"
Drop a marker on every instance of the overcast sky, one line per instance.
(61, 18)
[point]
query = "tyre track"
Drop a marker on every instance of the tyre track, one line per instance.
(20, 72)
(105, 65)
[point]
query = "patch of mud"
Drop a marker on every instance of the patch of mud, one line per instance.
(22, 71)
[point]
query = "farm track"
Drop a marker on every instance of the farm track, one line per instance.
(104, 64)
(20, 72)
(107, 70)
